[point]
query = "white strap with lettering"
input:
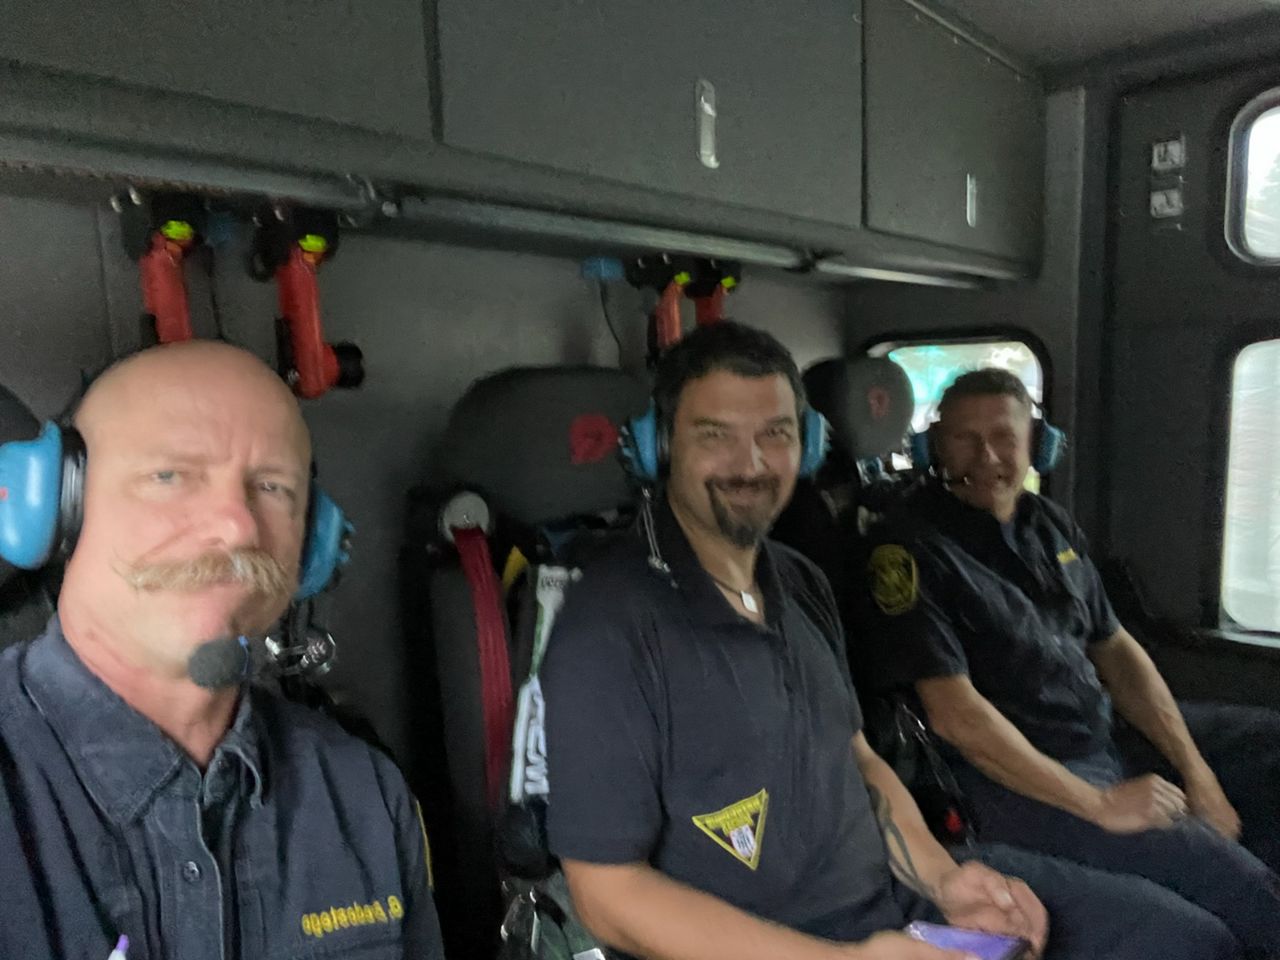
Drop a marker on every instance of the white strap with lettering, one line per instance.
(529, 744)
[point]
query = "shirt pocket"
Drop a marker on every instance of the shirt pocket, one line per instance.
(333, 888)
(353, 932)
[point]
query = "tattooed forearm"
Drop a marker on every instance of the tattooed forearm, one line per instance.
(900, 862)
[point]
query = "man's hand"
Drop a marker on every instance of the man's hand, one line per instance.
(898, 946)
(1207, 801)
(1143, 803)
(977, 897)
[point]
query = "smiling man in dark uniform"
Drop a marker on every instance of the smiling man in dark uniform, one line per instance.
(990, 611)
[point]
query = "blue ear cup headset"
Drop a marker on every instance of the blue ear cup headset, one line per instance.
(41, 487)
(326, 549)
(644, 444)
(42, 498)
(1048, 445)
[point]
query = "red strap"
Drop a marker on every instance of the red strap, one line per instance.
(495, 658)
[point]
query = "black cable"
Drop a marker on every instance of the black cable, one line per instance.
(213, 295)
(604, 308)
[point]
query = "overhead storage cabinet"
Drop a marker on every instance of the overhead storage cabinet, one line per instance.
(359, 64)
(747, 102)
(954, 137)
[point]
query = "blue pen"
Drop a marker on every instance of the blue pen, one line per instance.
(122, 948)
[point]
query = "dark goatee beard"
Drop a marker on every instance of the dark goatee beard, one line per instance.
(744, 532)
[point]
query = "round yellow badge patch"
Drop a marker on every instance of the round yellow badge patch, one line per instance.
(895, 581)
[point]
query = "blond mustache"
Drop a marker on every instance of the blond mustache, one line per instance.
(255, 569)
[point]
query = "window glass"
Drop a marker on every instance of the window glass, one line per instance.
(1251, 537)
(1260, 142)
(933, 366)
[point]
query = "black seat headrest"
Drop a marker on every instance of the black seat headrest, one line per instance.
(868, 401)
(540, 444)
(16, 423)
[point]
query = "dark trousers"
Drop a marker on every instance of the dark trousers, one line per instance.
(1190, 860)
(1095, 915)
(1242, 745)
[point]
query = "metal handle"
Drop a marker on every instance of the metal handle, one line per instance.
(706, 110)
(971, 200)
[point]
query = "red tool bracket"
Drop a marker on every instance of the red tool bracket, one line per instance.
(709, 289)
(159, 233)
(290, 246)
(706, 282)
(665, 319)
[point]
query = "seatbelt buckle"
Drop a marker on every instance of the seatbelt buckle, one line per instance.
(521, 928)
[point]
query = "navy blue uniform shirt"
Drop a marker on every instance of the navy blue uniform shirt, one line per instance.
(716, 750)
(297, 841)
(1014, 606)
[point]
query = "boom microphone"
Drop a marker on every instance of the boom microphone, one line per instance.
(230, 661)
(221, 663)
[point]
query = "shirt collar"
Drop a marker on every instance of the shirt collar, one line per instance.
(244, 741)
(968, 522)
(122, 758)
(707, 604)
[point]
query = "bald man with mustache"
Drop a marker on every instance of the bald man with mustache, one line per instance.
(201, 824)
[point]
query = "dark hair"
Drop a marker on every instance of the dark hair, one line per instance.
(987, 382)
(729, 346)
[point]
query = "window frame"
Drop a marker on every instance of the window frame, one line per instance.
(1238, 178)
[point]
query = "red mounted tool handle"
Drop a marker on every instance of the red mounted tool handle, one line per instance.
(164, 291)
(710, 309)
(666, 315)
(314, 361)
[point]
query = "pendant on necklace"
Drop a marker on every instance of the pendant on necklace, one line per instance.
(749, 602)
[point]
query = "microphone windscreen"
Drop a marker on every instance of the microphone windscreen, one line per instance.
(221, 663)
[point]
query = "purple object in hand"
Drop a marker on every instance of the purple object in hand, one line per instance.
(985, 946)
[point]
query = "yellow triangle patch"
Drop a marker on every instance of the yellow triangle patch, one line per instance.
(738, 828)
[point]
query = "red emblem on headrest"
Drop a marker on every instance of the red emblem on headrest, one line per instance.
(592, 437)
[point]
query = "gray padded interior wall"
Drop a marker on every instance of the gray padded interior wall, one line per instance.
(1182, 306)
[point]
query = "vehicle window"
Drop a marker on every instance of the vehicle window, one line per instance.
(1251, 536)
(933, 366)
(1255, 180)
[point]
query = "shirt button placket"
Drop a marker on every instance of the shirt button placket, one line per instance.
(194, 914)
